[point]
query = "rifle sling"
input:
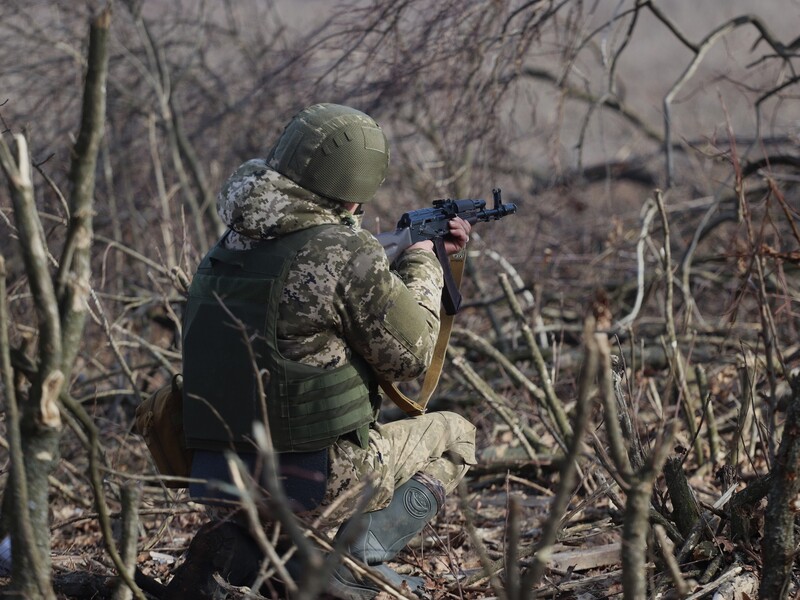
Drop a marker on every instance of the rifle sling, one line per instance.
(412, 407)
(451, 296)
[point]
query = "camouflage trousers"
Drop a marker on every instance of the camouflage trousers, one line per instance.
(440, 444)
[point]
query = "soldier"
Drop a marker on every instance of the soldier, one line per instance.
(297, 294)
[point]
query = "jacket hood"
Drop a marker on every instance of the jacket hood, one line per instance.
(258, 202)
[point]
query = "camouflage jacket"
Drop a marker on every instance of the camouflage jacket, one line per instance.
(341, 295)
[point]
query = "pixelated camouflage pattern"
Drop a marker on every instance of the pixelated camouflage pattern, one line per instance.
(340, 295)
(260, 203)
(441, 445)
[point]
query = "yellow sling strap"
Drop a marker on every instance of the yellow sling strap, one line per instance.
(412, 407)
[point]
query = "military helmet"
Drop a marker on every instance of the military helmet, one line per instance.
(332, 150)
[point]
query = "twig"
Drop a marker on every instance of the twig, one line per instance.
(164, 195)
(666, 547)
(649, 210)
(130, 496)
(512, 550)
(714, 442)
(474, 342)
(639, 490)
(700, 50)
(613, 430)
(674, 354)
(247, 496)
(706, 589)
(101, 505)
(496, 402)
(553, 403)
(490, 568)
(559, 504)
(706, 522)
(123, 364)
(768, 333)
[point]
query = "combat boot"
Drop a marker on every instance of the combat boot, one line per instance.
(217, 547)
(378, 536)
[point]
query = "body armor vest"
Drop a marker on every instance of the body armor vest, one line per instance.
(230, 356)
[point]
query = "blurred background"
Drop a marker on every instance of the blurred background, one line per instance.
(584, 113)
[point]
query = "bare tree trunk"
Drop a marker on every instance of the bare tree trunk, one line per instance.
(779, 519)
(684, 506)
(35, 429)
(75, 268)
(634, 535)
(34, 426)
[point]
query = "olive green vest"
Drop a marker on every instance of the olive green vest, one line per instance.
(229, 334)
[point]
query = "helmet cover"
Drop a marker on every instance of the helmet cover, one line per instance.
(335, 151)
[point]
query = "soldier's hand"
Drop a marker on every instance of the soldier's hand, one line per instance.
(455, 241)
(458, 237)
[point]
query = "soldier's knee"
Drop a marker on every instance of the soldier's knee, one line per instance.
(460, 427)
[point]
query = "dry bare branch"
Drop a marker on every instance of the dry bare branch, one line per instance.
(553, 403)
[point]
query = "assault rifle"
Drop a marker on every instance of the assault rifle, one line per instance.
(431, 224)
